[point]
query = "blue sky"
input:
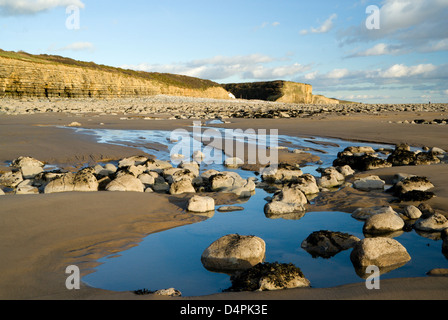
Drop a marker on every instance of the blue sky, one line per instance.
(324, 43)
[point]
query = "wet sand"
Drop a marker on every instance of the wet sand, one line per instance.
(41, 234)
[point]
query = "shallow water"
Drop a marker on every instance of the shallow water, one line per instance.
(172, 258)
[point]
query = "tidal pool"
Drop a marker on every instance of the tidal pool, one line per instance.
(172, 258)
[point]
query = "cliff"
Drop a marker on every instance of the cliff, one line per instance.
(26, 75)
(278, 91)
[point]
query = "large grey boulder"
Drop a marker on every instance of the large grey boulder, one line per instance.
(383, 223)
(126, 183)
(385, 253)
(234, 252)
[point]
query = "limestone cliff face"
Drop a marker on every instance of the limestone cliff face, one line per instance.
(21, 78)
(278, 91)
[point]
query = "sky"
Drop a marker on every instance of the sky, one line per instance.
(389, 51)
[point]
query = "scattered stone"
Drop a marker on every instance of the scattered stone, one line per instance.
(269, 276)
(438, 272)
(234, 252)
(199, 204)
(230, 208)
(74, 124)
(327, 244)
(369, 183)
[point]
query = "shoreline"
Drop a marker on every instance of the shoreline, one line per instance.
(65, 147)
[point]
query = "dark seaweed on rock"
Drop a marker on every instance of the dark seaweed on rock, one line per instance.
(248, 280)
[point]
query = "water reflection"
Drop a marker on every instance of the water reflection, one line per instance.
(173, 258)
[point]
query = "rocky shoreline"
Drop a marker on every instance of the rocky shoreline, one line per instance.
(292, 192)
(175, 107)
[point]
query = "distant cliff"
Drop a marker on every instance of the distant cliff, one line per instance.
(26, 75)
(278, 91)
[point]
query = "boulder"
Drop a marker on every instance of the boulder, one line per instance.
(402, 157)
(2, 193)
(11, 179)
(412, 212)
(157, 165)
(365, 213)
(132, 161)
(346, 170)
(411, 184)
(281, 174)
(383, 223)
(268, 277)
(330, 178)
(147, 179)
(26, 189)
(307, 184)
(362, 162)
(327, 244)
(369, 183)
(126, 183)
(234, 252)
(199, 204)
(29, 167)
(385, 253)
(286, 201)
(83, 181)
(434, 223)
(182, 186)
(171, 292)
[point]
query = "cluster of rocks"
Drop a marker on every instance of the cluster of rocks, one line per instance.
(366, 158)
(423, 121)
(176, 107)
(132, 174)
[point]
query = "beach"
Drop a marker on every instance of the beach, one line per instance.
(42, 234)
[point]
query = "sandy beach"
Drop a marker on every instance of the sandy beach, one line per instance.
(41, 234)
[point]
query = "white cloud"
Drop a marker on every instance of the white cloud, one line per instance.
(377, 50)
(400, 70)
(253, 67)
(411, 25)
(76, 46)
(337, 74)
(26, 7)
(445, 92)
(324, 28)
